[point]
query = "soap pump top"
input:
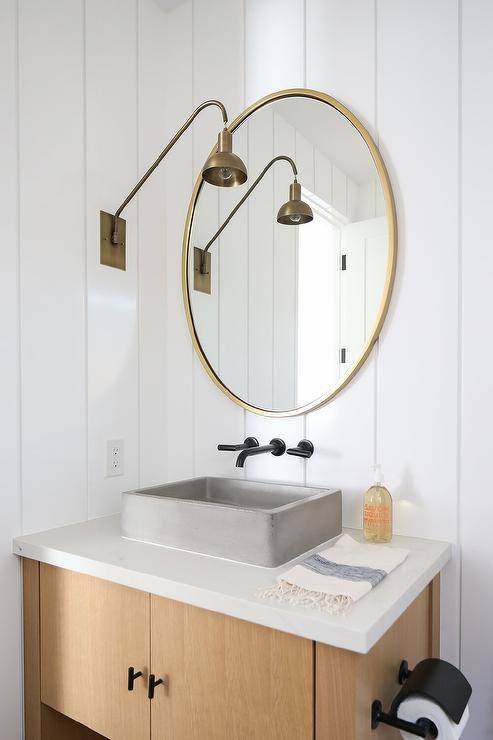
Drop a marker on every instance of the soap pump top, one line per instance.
(378, 478)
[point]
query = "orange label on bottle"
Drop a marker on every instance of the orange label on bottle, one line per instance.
(376, 514)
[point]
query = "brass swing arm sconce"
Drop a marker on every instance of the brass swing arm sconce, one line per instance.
(294, 212)
(222, 168)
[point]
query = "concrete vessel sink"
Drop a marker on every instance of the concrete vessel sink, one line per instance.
(264, 524)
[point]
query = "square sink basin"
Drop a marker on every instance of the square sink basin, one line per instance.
(264, 524)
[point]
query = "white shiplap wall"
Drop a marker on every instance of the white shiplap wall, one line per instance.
(90, 92)
(418, 362)
(82, 346)
(398, 66)
(360, 52)
(10, 400)
(476, 400)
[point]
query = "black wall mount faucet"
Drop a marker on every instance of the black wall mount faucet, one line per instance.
(276, 447)
(304, 448)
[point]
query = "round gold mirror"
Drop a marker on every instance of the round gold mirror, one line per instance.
(287, 278)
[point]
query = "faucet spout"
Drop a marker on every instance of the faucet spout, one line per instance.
(276, 447)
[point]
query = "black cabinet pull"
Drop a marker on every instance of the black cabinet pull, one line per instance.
(132, 675)
(153, 682)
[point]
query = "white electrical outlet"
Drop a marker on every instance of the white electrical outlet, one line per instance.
(114, 457)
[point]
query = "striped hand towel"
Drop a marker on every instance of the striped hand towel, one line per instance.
(333, 579)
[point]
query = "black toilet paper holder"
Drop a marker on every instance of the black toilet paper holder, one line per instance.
(434, 679)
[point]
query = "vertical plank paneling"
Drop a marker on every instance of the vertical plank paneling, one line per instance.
(340, 45)
(285, 265)
(418, 358)
(111, 122)
(233, 268)
(52, 263)
(261, 262)
(10, 499)
(340, 52)
(140, 71)
(178, 173)
(274, 46)
(274, 59)
(152, 248)
(424, 393)
(476, 509)
(216, 418)
(205, 306)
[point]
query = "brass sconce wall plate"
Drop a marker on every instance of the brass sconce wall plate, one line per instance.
(201, 270)
(112, 255)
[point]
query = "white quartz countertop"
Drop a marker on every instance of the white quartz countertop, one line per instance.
(96, 548)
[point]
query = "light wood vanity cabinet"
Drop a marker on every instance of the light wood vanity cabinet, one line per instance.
(91, 632)
(225, 679)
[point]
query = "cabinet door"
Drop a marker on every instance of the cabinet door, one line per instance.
(348, 683)
(228, 679)
(91, 632)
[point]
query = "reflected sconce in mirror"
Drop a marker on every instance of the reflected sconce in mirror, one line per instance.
(223, 168)
(294, 212)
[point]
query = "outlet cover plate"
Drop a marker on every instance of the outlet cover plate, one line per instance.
(114, 457)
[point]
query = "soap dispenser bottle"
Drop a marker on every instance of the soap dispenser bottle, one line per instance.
(377, 510)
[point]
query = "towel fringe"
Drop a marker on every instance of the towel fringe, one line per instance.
(298, 596)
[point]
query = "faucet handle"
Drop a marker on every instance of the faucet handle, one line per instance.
(304, 448)
(279, 447)
(249, 442)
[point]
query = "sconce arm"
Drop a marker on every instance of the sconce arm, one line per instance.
(134, 191)
(242, 200)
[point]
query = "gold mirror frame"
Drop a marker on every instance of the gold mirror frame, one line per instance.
(391, 262)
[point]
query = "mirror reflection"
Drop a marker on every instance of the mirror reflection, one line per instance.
(284, 307)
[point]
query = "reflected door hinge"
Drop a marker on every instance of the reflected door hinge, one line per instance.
(343, 355)
(343, 262)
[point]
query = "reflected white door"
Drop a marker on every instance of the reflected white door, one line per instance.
(365, 246)
(318, 309)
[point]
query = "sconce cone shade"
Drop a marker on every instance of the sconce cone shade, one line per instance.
(223, 168)
(295, 211)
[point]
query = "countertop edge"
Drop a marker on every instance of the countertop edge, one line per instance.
(265, 614)
(375, 632)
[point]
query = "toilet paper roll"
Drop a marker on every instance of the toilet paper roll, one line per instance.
(415, 707)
